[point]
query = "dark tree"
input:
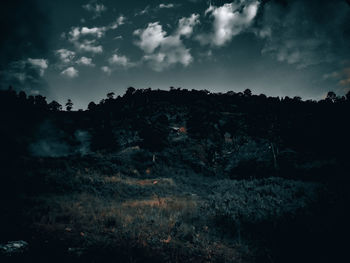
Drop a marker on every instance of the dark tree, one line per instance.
(31, 99)
(331, 96)
(130, 91)
(247, 93)
(110, 95)
(22, 95)
(92, 105)
(69, 105)
(297, 98)
(40, 101)
(348, 95)
(55, 106)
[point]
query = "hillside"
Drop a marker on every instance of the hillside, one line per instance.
(175, 176)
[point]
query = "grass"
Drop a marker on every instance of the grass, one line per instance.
(98, 208)
(156, 225)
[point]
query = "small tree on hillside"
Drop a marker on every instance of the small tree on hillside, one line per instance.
(69, 105)
(110, 95)
(247, 93)
(130, 91)
(347, 96)
(92, 105)
(331, 96)
(55, 106)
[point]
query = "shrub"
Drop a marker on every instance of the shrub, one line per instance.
(242, 204)
(251, 159)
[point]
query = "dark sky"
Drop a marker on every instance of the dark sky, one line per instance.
(83, 49)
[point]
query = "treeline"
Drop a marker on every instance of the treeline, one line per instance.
(11, 99)
(146, 117)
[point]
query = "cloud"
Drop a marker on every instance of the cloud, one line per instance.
(186, 25)
(84, 61)
(305, 33)
(106, 70)
(98, 32)
(230, 20)
(90, 46)
(342, 77)
(162, 51)
(70, 72)
(85, 39)
(66, 56)
(172, 51)
(332, 75)
(77, 32)
(120, 60)
(23, 37)
(166, 5)
(95, 8)
(40, 64)
(151, 37)
(78, 37)
(148, 9)
(144, 11)
(26, 75)
(345, 79)
(120, 21)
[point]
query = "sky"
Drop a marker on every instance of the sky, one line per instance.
(83, 49)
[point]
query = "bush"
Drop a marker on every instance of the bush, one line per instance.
(251, 159)
(241, 204)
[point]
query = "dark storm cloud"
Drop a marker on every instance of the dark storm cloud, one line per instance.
(26, 75)
(305, 33)
(25, 34)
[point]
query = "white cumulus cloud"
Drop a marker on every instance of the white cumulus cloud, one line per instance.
(151, 37)
(162, 51)
(65, 55)
(186, 25)
(119, 21)
(106, 69)
(40, 64)
(172, 51)
(121, 61)
(85, 39)
(77, 32)
(84, 61)
(166, 5)
(70, 72)
(89, 46)
(229, 20)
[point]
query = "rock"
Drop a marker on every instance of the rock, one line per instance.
(14, 248)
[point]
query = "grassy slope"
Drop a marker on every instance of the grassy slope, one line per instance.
(103, 207)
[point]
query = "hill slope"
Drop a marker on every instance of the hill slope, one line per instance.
(176, 176)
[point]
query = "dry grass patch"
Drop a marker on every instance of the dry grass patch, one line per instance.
(138, 182)
(159, 224)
